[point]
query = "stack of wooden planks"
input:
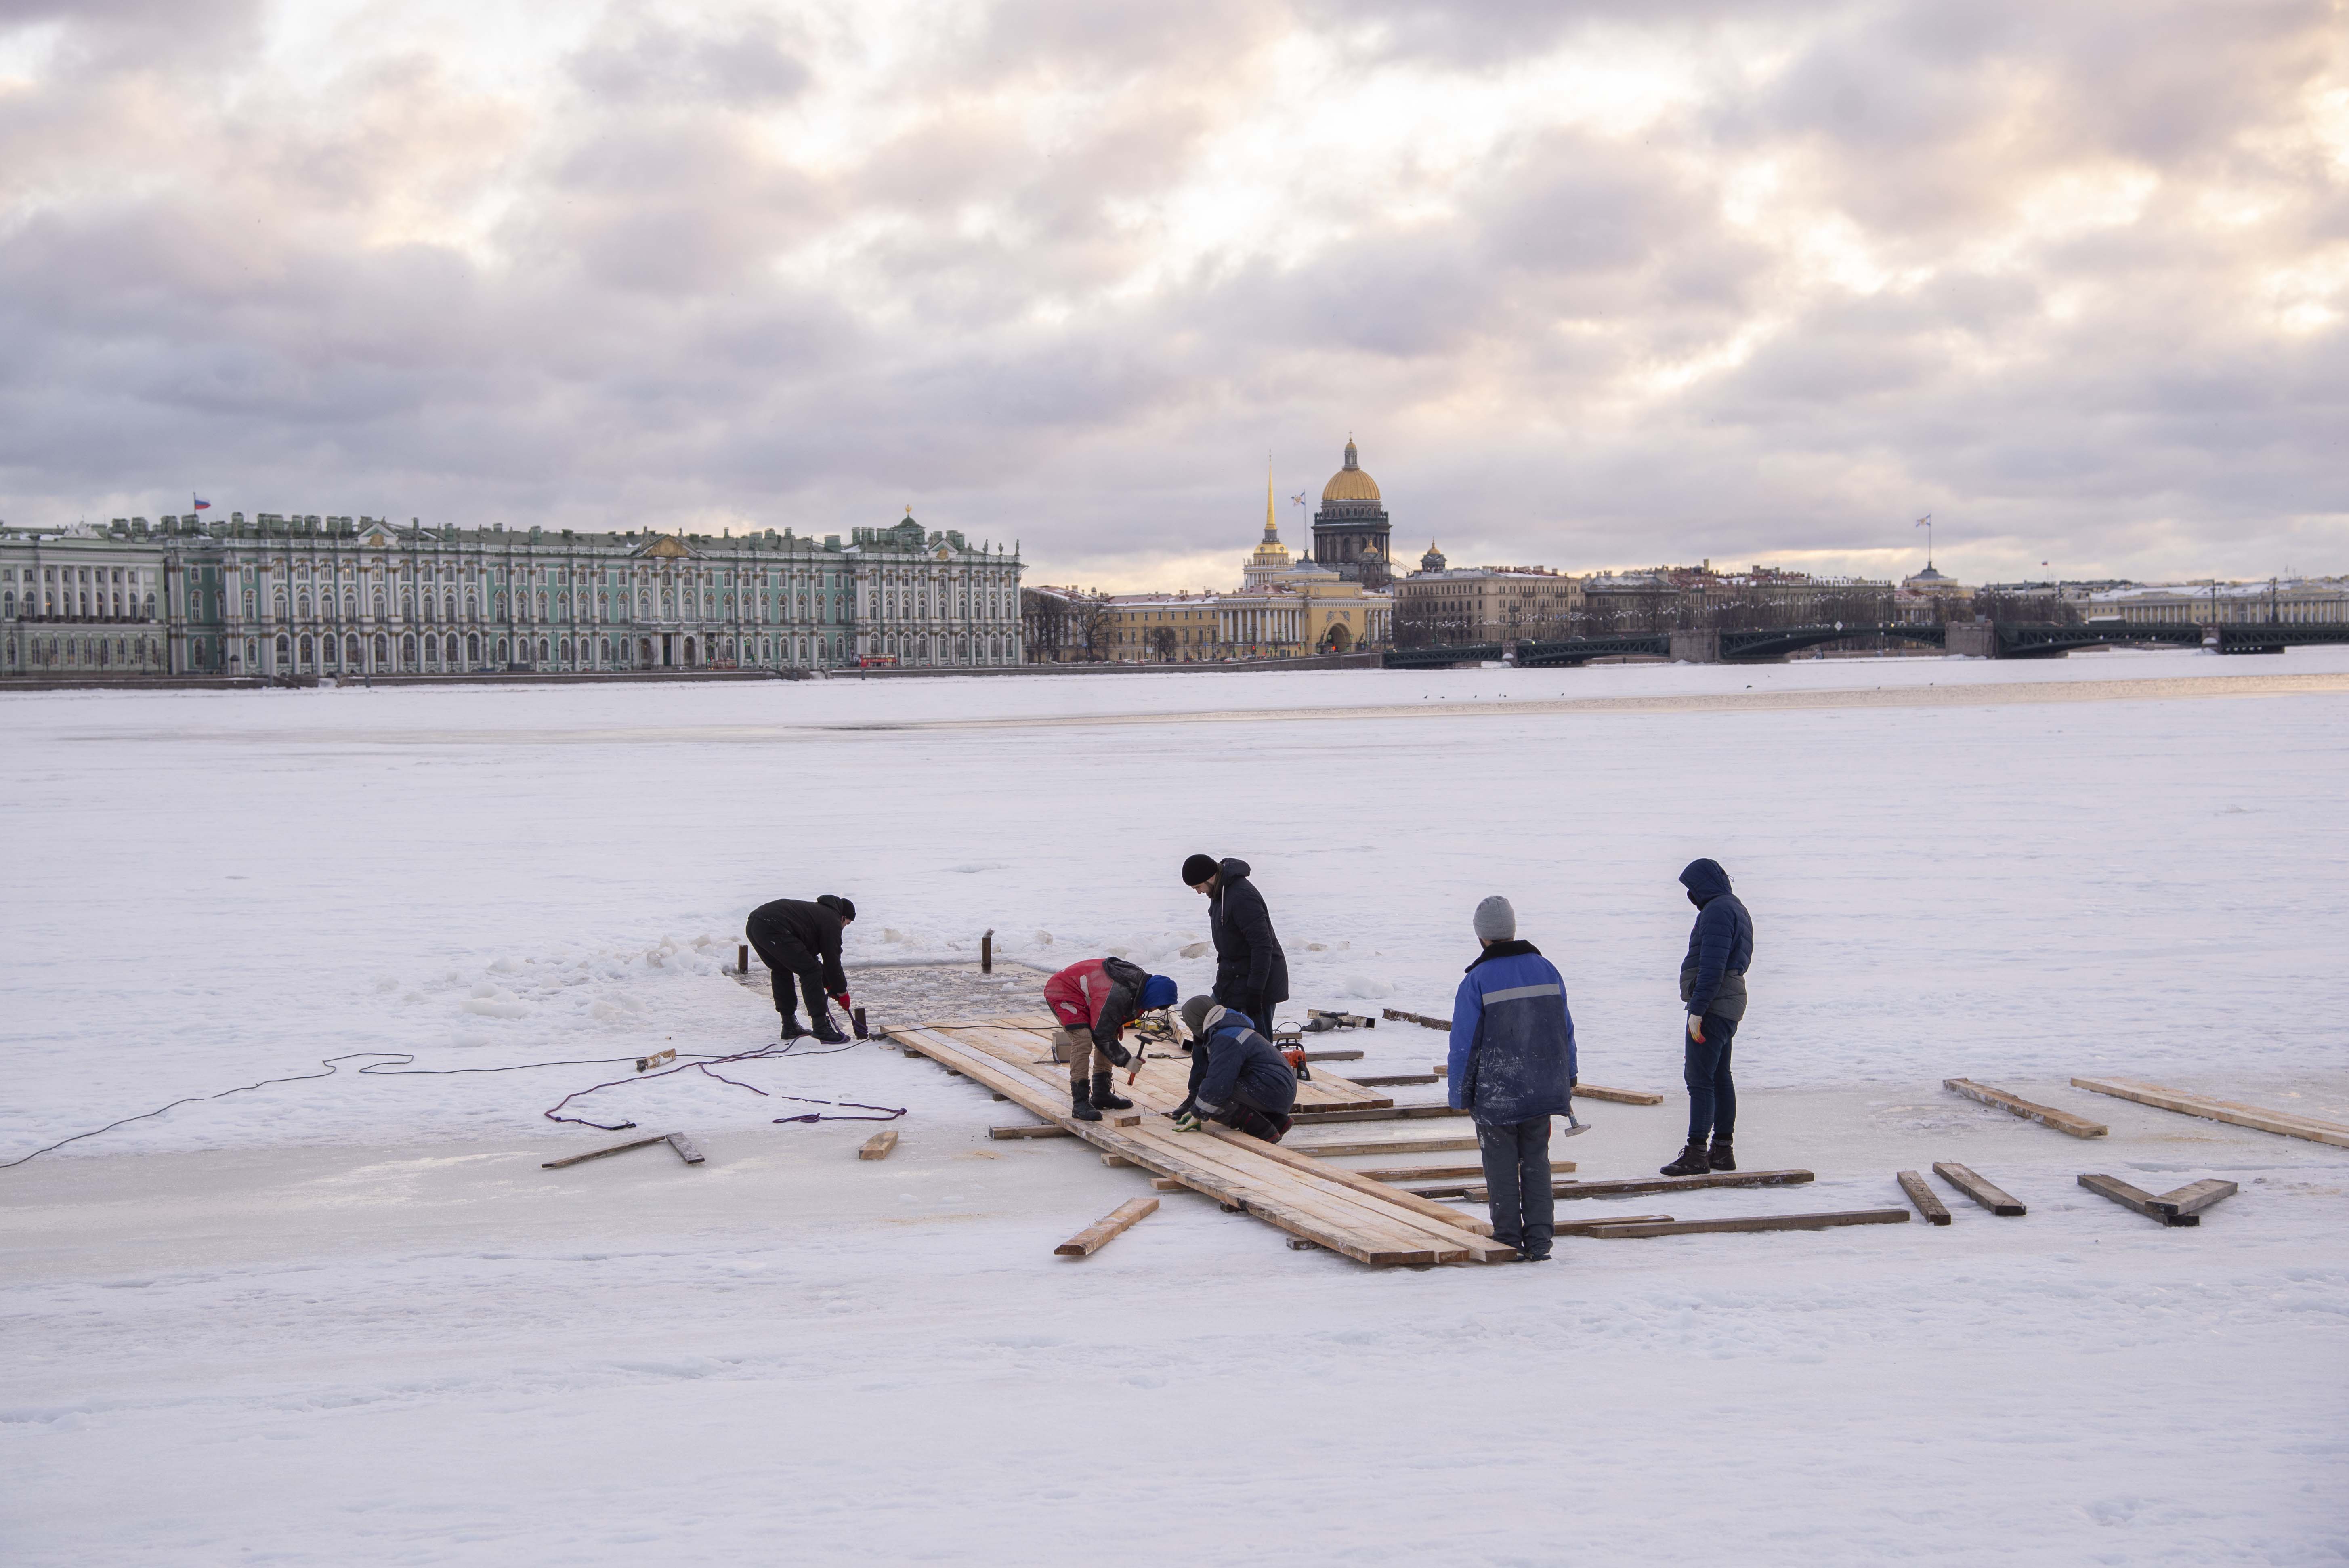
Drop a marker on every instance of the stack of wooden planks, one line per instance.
(1348, 1213)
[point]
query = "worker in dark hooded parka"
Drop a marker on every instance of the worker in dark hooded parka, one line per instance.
(1512, 1069)
(1713, 988)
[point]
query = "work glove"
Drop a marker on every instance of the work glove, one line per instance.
(1117, 1054)
(1187, 1122)
(1696, 1029)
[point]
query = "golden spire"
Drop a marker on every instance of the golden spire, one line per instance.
(1271, 528)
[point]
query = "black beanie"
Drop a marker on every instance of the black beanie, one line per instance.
(838, 905)
(1198, 869)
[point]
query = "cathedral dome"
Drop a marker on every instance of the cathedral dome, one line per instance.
(1351, 483)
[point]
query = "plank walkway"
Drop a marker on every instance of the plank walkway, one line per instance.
(1364, 1220)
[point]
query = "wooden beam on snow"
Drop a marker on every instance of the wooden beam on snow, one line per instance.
(1399, 1016)
(1621, 1095)
(1385, 1146)
(1042, 1129)
(877, 1147)
(1974, 1187)
(1758, 1222)
(600, 1154)
(2031, 1110)
(685, 1147)
(1928, 1204)
(1642, 1186)
(1396, 1080)
(1116, 1222)
(1442, 1172)
(2195, 1196)
(2137, 1198)
(1333, 1056)
(2289, 1123)
(1372, 1113)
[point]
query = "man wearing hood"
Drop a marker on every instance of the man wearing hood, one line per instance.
(801, 941)
(1243, 1084)
(1713, 988)
(1251, 971)
(1095, 1000)
(1512, 1069)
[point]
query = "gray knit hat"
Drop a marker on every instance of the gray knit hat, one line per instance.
(1496, 921)
(1195, 1015)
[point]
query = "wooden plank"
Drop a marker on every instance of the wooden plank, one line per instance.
(1756, 1223)
(1332, 1147)
(1396, 1080)
(877, 1147)
(1444, 1240)
(1422, 1020)
(1388, 1112)
(1333, 1056)
(1393, 1174)
(2195, 1196)
(1644, 1186)
(2135, 1198)
(2032, 1111)
(600, 1154)
(685, 1148)
(1621, 1095)
(1592, 1227)
(1974, 1187)
(1047, 1131)
(1164, 1184)
(1116, 1222)
(1116, 1159)
(1382, 1191)
(2260, 1119)
(1931, 1207)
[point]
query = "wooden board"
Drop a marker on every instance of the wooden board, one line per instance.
(1928, 1204)
(1396, 1080)
(1116, 1222)
(1442, 1172)
(1974, 1187)
(1324, 1204)
(1621, 1095)
(877, 1147)
(1592, 1227)
(685, 1148)
(2195, 1196)
(1330, 1147)
(600, 1154)
(2137, 1198)
(1758, 1222)
(2032, 1111)
(1045, 1130)
(1642, 1186)
(2290, 1124)
(1399, 1016)
(1303, 1117)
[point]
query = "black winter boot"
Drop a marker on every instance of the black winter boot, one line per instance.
(793, 1030)
(1691, 1163)
(1721, 1158)
(1080, 1103)
(1107, 1098)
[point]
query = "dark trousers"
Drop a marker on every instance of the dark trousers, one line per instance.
(1517, 1183)
(787, 961)
(1713, 1098)
(1242, 1116)
(1252, 1003)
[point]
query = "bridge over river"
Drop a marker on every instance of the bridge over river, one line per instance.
(1978, 639)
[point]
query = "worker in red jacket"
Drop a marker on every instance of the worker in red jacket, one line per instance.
(1095, 1000)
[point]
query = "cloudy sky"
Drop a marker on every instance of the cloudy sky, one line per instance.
(1607, 285)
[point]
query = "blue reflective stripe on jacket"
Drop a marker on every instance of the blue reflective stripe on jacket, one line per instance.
(1512, 1038)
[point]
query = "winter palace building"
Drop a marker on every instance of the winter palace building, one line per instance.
(309, 597)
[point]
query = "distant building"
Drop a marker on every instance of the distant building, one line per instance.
(305, 596)
(1350, 531)
(2290, 601)
(1487, 604)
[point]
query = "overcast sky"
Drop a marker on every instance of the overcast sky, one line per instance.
(1601, 285)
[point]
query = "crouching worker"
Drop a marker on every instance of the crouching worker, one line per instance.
(1512, 1069)
(1095, 1001)
(800, 942)
(1246, 1087)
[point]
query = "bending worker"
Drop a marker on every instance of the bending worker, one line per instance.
(1095, 1000)
(1713, 987)
(1512, 1069)
(1242, 1082)
(801, 941)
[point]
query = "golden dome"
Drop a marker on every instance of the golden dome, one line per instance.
(1351, 483)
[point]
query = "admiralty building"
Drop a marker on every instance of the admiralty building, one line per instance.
(307, 597)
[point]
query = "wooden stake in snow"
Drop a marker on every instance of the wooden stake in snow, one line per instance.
(2290, 1123)
(741, 958)
(1098, 1235)
(599, 1153)
(1974, 1187)
(1931, 1207)
(877, 1147)
(685, 1148)
(2045, 1115)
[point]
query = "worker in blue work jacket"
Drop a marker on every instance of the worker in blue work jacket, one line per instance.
(1512, 1069)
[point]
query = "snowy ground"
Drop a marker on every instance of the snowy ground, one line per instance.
(350, 1320)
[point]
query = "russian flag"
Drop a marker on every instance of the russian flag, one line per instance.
(202, 504)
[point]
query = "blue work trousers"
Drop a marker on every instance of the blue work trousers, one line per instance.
(1713, 1098)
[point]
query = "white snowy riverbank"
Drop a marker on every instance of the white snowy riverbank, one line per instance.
(349, 1320)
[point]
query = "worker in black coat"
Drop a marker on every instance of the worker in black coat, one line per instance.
(801, 941)
(1251, 971)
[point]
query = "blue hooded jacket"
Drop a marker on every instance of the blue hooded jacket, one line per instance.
(1243, 1065)
(1721, 944)
(1512, 1038)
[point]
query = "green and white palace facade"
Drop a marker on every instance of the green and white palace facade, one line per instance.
(306, 597)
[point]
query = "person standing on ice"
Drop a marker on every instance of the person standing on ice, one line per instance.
(1251, 971)
(1512, 1067)
(801, 941)
(1713, 987)
(1095, 1000)
(1239, 1079)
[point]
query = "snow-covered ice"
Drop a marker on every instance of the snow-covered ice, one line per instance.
(348, 1319)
